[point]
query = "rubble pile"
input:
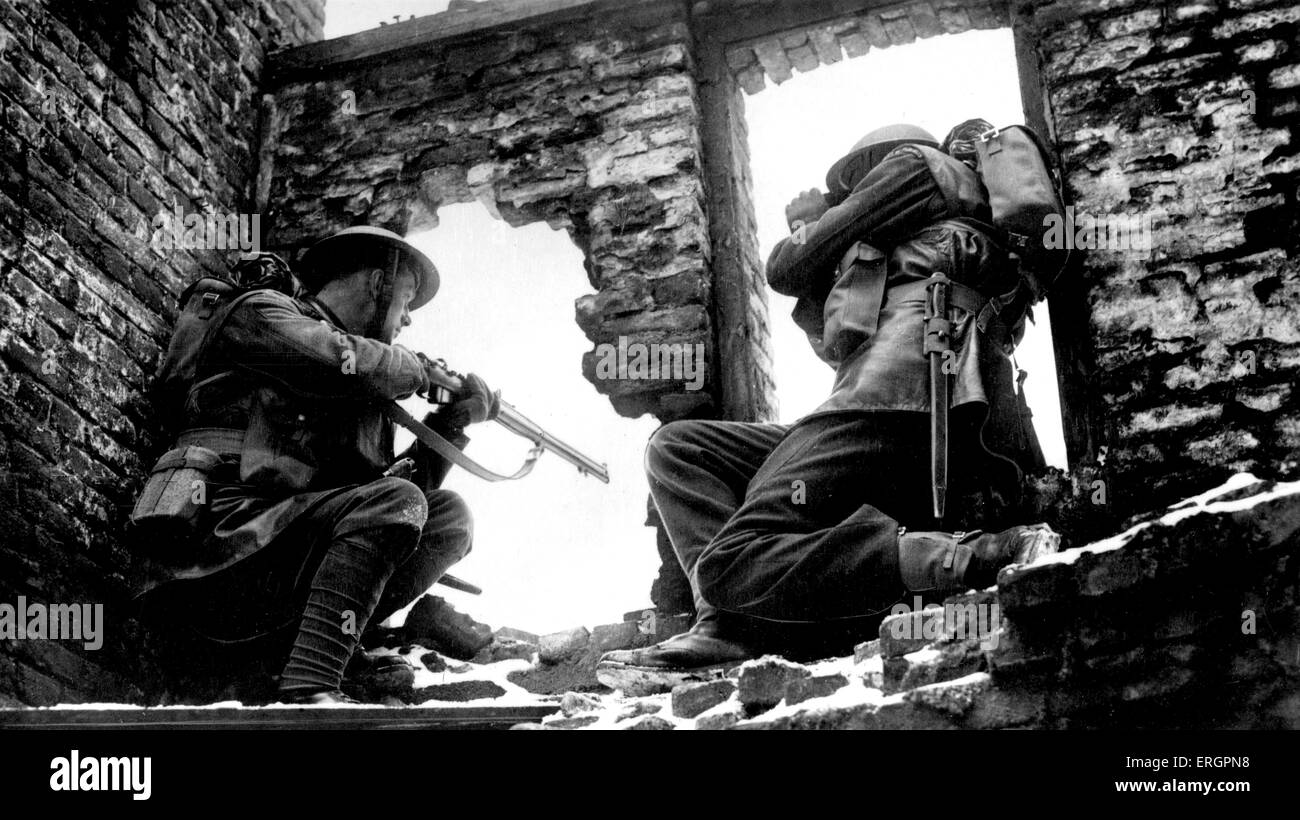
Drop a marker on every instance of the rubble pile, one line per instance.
(438, 639)
(1185, 619)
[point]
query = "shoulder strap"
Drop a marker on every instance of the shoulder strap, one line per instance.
(211, 333)
(876, 267)
(450, 451)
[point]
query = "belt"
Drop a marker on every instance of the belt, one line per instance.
(451, 452)
(985, 309)
(225, 441)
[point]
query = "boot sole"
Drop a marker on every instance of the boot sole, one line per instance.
(638, 681)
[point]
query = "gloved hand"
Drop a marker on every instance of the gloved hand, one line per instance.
(806, 208)
(474, 404)
(429, 387)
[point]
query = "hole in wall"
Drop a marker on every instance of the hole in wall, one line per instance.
(555, 549)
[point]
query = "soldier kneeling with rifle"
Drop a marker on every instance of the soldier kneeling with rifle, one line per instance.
(306, 522)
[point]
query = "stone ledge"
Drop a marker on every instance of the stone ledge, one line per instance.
(278, 717)
(1081, 670)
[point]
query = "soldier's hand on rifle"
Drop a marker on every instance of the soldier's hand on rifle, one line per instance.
(806, 208)
(475, 403)
(434, 371)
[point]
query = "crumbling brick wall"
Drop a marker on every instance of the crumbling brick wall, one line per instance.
(874, 26)
(109, 114)
(622, 123)
(1176, 367)
(1186, 112)
(588, 124)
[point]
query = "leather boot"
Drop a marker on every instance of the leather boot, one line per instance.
(347, 583)
(945, 561)
(701, 647)
(332, 697)
(364, 663)
(370, 677)
(702, 653)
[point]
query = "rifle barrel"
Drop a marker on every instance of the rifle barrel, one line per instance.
(521, 425)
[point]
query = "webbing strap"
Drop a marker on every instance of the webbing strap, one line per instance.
(875, 290)
(226, 441)
(996, 305)
(451, 452)
(876, 265)
(959, 295)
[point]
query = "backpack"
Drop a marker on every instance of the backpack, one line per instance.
(1025, 194)
(170, 508)
(204, 306)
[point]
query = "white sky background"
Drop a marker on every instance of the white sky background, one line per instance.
(557, 549)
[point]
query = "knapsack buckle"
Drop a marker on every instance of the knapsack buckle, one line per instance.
(990, 138)
(208, 303)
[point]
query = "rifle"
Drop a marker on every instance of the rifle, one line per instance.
(450, 382)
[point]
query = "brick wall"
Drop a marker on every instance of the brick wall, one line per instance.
(623, 124)
(876, 26)
(1186, 111)
(109, 113)
(589, 125)
(753, 362)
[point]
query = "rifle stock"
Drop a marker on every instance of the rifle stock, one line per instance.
(519, 424)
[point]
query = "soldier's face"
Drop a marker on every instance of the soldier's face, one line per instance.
(399, 310)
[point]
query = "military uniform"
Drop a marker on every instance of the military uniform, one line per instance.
(304, 446)
(801, 524)
(302, 524)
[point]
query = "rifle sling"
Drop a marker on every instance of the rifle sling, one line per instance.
(452, 453)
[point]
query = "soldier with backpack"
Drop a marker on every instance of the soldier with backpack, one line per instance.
(797, 539)
(282, 506)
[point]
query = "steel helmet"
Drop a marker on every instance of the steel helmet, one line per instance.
(320, 263)
(848, 171)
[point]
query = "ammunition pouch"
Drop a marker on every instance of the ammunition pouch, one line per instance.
(175, 496)
(173, 505)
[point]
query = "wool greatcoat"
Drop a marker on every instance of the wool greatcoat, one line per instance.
(800, 524)
(292, 402)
